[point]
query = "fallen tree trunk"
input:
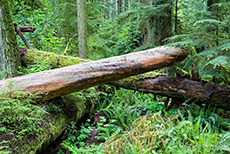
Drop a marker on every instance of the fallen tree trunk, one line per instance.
(60, 112)
(177, 87)
(34, 56)
(60, 121)
(57, 82)
(56, 121)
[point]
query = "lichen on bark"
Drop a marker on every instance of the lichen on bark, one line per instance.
(9, 56)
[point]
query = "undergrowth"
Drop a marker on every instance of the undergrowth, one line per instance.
(19, 117)
(124, 122)
(132, 122)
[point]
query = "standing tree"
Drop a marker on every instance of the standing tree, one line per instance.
(9, 56)
(214, 11)
(82, 28)
(156, 20)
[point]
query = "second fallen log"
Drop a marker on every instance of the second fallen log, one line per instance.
(61, 81)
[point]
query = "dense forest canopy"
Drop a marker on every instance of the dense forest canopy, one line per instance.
(122, 121)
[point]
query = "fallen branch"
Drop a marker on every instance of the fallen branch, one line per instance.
(18, 30)
(27, 29)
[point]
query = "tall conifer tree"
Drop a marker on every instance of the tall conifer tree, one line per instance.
(82, 28)
(9, 55)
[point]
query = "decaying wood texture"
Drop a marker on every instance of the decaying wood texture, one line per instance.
(27, 29)
(183, 88)
(61, 81)
(68, 108)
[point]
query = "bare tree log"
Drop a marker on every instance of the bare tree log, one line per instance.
(177, 87)
(61, 81)
(21, 35)
(194, 90)
(27, 29)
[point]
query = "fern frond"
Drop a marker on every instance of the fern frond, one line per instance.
(225, 47)
(208, 21)
(218, 62)
(209, 54)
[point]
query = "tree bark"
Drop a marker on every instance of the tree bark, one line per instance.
(82, 28)
(61, 81)
(179, 88)
(159, 24)
(9, 56)
(27, 29)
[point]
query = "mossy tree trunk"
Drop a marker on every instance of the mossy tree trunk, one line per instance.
(9, 56)
(159, 24)
(60, 112)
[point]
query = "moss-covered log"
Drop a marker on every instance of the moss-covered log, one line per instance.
(34, 56)
(57, 82)
(59, 113)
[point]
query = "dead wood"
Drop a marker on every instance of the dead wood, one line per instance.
(18, 30)
(180, 88)
(57, 82)
(27, 29)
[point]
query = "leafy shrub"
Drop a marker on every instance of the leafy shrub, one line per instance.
(119, 110)
(46, 36)
(205, 32)
(207, 117)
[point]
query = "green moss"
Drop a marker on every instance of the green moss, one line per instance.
(134, 80)
(11, 51)
(143, 135)
(61, 111)
(54, 60)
